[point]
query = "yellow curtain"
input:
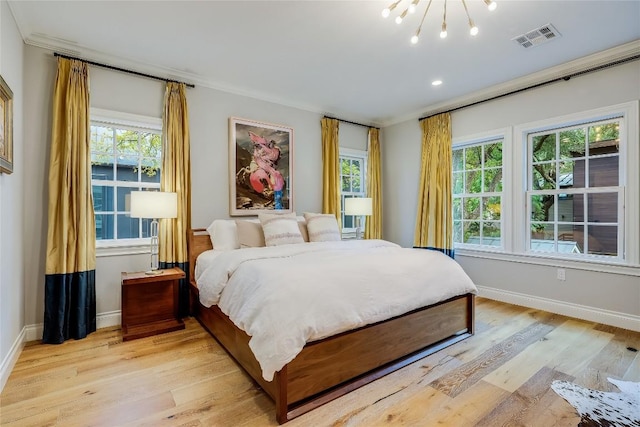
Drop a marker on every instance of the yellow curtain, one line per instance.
(434, 222)
(373, 229)
(176, 177)
(70, 306)
(331, 168)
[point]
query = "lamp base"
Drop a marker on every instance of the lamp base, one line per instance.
(153, 272)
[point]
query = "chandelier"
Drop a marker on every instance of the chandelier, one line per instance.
(413, 6)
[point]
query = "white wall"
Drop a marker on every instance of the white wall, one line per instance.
(605, 293)
(209, 111)
(12, 292)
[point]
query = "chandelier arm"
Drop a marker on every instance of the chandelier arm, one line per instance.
(424, 15)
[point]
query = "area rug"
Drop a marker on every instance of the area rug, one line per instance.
(599, 408)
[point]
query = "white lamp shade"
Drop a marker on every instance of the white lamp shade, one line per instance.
(358, 206)
(154, 204)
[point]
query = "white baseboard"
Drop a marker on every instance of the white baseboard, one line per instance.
(592, 314)
(12, 357)
(103, 320)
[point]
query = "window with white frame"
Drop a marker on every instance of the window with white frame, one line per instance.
(575, 194)
(353, 172)
(477, 194)
(126, 155)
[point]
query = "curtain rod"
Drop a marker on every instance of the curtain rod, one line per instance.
(351, 123)
(565, 78)
(111, 67)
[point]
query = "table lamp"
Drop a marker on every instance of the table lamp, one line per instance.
(358, 207)
(154, 205)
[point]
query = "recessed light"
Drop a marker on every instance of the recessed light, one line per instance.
(436, 82)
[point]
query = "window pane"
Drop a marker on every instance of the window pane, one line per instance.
(102, 198)
(542, 207)
(349, 222)
(603, 240)
(491, 208)
(493, 155)
(603, 171)
(472, 232)
(473, 181)
(104, 226)
(604, 139)
(566, 208)
(571, 174)
(346, 183)
(150, 145)
(457, 231)
(458, 182)
(458, 161)
(572, 143)
(124, 198)
(544, 147)
(491, 233)
(150, 170)
(542, 237)
(101, 167)
(471, 208)
(128, 228)
(127, 169)
(602, 207)
(493, 180)
(473, 157)
(102, 139)
(127, 142)
(544, 176)
(570, 239)
(457, 208)
(146, 227)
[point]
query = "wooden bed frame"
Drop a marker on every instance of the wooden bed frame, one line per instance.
(329, 368)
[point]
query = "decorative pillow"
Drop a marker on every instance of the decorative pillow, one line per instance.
(224, 235)
(322, 227)
(250, 233)
(280, 229)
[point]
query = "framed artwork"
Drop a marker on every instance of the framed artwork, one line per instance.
(260, 167)
(6, 128)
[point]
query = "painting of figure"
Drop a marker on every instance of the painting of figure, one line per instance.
(6, 128)
(260, 157)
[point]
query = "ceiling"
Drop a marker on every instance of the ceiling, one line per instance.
(335, 57)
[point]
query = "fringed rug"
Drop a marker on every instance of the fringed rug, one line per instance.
(599, 408)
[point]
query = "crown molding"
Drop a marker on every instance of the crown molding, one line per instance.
(604, 57)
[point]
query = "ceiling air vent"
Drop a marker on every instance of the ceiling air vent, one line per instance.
(537, 36)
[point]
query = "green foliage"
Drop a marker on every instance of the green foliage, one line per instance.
(351, 175)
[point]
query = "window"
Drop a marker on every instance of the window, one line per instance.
(477, 194)
(574, 194)
(353, 172)
(125, 156)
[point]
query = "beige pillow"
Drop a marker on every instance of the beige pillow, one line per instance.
(302, 225)
(322, 227)
(250, 233)
(280, 229)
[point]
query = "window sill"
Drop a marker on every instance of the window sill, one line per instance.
(120, 249)
(601, 266)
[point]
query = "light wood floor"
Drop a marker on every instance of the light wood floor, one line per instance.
(500, 376)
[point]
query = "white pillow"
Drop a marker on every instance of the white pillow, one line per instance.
(224, 235)
(280, 229)
(322, 227)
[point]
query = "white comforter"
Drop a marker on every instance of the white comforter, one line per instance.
(286, 296)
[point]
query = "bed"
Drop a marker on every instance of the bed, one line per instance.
(334, 365)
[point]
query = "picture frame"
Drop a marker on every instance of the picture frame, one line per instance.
(6, 128)
(260, 167)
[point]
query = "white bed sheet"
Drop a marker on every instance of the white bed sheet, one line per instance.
(286, 296)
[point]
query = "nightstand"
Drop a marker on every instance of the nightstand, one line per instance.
(150, 303)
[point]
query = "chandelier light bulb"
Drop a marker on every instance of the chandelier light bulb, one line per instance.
(491, 5)
(443, 33)
(473, 30)
(412, 8)
(398, 20)
(414, 39)
(386, 12)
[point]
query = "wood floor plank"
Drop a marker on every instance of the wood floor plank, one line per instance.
(185, 379)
